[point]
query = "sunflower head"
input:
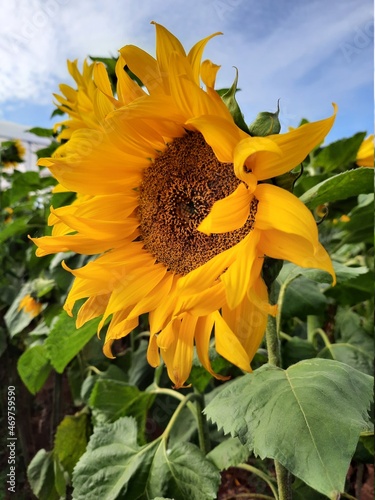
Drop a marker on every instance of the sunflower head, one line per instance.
(12, 153)
(172, 204)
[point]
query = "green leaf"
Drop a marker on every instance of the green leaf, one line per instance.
(65, 340)
(114, 466)
(341, 186)
(71, 440)
(339, 154)
(112, 458)
(17, 226)
(297, 349)
(15, 319)
(360, 228)
(229, 99)
(41, 476)
(187, 473)
(34, 368)
(352, 355)
(228, 453)
(112, 399)
(308, 417)
(303, 298)
(41, 132)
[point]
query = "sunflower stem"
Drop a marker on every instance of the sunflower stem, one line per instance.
(274, 358)
(203, 435)
(185, 401)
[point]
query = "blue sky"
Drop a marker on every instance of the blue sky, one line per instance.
(308, 53)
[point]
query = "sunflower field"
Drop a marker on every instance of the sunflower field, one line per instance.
(186, 295)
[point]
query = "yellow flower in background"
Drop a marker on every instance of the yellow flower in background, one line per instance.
(365, 155)
(30, 306)
(174, 204)
(12, 154)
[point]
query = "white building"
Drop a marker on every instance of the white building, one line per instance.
(31, 143)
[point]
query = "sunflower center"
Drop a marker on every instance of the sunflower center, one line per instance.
(177, 193)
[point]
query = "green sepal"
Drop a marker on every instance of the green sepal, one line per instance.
(286, 181)
(271, 269)
(266, 123)
(229, 98)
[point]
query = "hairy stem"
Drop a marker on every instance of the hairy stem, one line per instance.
(274, 358)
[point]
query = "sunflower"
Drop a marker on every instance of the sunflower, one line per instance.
(175, 208)
(365, 155)
(30, 306)
(12, 153)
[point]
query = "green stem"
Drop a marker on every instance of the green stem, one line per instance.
(203, 435)
(274, 358)
(262, 475)
(185, 401)
(273, 343)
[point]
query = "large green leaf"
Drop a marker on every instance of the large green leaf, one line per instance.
(308, 417)
(341, 186)
(41, 476)
(71, 440)
(350, 354)
(339, 154)
(303, 298)
(186, 472)
(65, 340)
(114, 466)
(34, 367)
(112, 399)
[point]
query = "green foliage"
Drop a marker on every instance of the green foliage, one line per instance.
(115, 465)
(229, 98)
(71, 440)
(278, 414)
(340, 187)
(65, 341)
(34, 367)
(339, 154)
(126, 434)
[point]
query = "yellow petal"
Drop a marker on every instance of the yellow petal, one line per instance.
(219, 133)
(296, 249)
(195, 56)
(247, 149)
(279, 209)
(229, 213)
(75, 243)
(203, 332)
(242, 274)
(92, 308)
(127, 89)
(208, 73)
(202, 303)
(294, 146)
(247, 320)
(228, 345)
(166, 44)
(144, 67)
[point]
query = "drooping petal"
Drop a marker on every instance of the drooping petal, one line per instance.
(203, 332)
(222, 135)
(228, 345)
(242, 274)
(229, 213)
(247, 148)
(280, 209)
(249, 319)
(296, 249)
(294, 146)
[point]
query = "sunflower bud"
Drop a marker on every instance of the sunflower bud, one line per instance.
(266, 123)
